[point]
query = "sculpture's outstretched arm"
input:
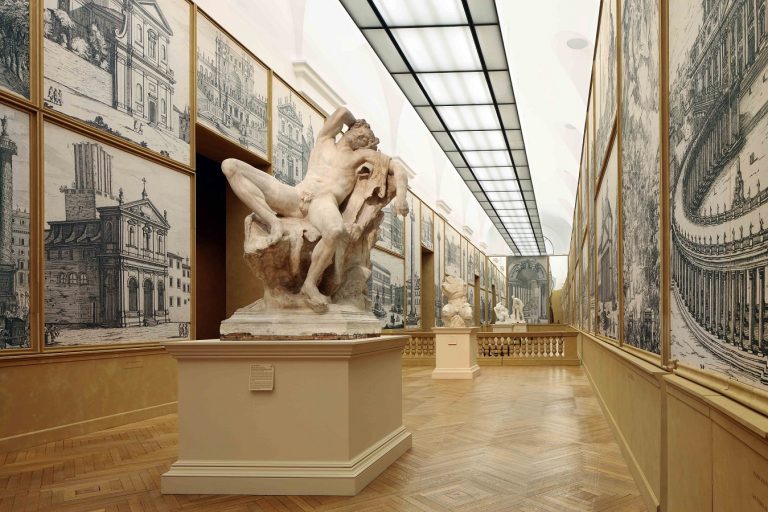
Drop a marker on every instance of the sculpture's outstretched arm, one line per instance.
(333, 125)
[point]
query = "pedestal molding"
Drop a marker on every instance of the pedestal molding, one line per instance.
(299, 349)
(456, 373)
(295, 478)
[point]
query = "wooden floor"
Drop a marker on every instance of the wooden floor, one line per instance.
(515, 439)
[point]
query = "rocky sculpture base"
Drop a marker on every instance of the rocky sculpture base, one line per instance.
(340, 322)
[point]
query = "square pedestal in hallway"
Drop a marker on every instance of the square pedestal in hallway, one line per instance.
(455, 353)
(287, 417)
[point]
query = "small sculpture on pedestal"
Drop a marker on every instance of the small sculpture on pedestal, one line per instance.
(310, 244)
(517, 311)
(457, 312)
(502, 313)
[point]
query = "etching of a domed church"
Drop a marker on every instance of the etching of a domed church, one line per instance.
(123, 67)
(232, 89)
(295, 124)
(718, 136)
(116, 245)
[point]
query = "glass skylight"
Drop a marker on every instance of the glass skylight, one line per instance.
(488, 158)
(424, 12)
(456, 88)
(475, 117)
(438, 48)
(479, 140)
(448, 58)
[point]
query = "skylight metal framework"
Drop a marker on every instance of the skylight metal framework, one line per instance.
(448, 58)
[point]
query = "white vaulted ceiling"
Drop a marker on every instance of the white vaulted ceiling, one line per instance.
(502, 86)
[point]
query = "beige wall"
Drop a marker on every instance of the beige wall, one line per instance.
(51, 397)
(690, 448)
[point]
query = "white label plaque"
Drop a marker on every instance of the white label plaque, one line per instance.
(262, 377)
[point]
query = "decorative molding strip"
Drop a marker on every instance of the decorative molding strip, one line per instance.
(313, 85)
(483, 247)
(47, 435)
(284, 349)
(443, 207)
(408, 171)
(467, 230)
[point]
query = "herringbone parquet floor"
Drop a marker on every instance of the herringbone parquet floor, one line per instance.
(516, 439)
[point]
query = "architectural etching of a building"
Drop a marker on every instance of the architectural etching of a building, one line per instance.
(605, 81)
(586, 288)
(386, 290)
(14, 229)
(122, 66)
(413, 264)
(528, 279)
(14, 50)
(391, 231)
(115, 227)
(640, 173)
(607, 251)
(453, 266)
(427, 228)
(231, 89)
(718, 131)
(294, 125)
(439, 264)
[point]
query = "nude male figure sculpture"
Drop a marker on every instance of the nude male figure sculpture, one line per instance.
(333, 171)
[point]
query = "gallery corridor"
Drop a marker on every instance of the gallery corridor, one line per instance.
(514, 439)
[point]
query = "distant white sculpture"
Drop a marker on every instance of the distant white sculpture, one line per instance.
(517, 311)
(310, 244)
(457, 312)
(503, 316)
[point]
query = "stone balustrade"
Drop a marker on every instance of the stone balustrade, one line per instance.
(528, 348)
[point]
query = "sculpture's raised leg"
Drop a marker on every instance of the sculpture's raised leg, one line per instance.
(263, 194)
(324, 214)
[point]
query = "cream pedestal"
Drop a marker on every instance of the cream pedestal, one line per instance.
(509, 328)
(331, 424)
(455, 353)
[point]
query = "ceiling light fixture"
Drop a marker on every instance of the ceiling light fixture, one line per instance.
(577, 43)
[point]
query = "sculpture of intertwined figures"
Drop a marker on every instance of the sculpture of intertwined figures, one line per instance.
(310, 244)
(457, 312)
(503, 315)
